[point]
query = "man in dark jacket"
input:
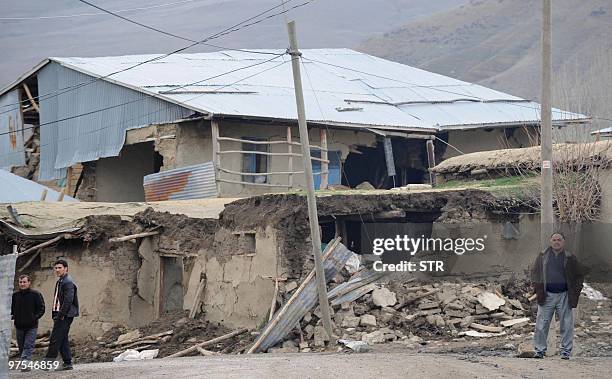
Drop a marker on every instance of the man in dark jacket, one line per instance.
(557, 279)
(65, 309)
(27, 307)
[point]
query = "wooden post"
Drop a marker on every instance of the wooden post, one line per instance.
(431, 161)
(290, 151)
(68, 184)
(214, 127)
(324, 164)
(43, 195)
(313, 217)
(61, 194)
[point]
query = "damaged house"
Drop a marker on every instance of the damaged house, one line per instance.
(147, 127)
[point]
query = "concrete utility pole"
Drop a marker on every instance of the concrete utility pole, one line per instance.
(546, 197)
(315, 235)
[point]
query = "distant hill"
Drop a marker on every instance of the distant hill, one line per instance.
(322, 23)
(497, 43)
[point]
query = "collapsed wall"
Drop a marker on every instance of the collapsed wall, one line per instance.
(232, 262)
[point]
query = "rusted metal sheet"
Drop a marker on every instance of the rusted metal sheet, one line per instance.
(191, 182)
(11, 131)
(303, 300)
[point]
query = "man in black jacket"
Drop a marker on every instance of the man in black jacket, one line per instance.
(27, 307)
(65, 309)
(557, 277)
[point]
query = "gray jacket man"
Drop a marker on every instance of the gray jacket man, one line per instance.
(557, 278)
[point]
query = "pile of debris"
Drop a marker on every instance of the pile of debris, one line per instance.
(172, 335)
(413, 313)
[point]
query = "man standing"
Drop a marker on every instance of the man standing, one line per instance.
(65, 309)
(557, 279)
(27, 307)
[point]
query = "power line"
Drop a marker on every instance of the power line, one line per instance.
(180, 87)
(236, 27)
(93, 14)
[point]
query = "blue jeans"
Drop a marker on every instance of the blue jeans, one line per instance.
(26, 339)
(555, 302)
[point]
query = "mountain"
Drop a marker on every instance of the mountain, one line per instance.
(496, 43)
(321, 23)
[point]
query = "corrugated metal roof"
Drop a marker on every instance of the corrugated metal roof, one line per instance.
(192, 182)
(11, 132)
(386, 94)
(15, 189)
(604, 131)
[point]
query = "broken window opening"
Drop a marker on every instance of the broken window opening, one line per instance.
(368, 164)
(158, 162)
(253, 163)
(334, 168)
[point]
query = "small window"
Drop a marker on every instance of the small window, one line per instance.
(254, 163)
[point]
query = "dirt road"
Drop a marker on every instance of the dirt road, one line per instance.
(387, 365)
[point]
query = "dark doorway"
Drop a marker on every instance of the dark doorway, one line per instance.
(171, 276)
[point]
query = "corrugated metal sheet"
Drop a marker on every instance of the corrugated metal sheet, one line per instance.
(96, 135)
(15, 189)
(606, 132)
(306, 298)
(342, 87)
(388, 93)
(7, 275)
(11, 132)
(192, 182)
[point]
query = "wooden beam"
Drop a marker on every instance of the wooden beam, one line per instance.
(324, 160)
(29, 261)
(273, 305)
(43, 195)
(214, 130)
(196, 304)
(207, 343)
(133, 236)
(44, 244)
(30, 97)
(68, 184)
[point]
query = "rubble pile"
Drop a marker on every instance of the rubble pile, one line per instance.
(169, 335)
(414, 312)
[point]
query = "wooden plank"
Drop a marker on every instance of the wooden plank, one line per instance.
(197, 300)
(43, 195)
(261, 173)
(273, 305)
(29, 262)
(431, 160)
(214, 128)
(68, 184)
(269, 154)
(133, 236)
(486, 328)
(44, 244)
(14, 215)
(324, 160)
(208, 343)
(30, 97)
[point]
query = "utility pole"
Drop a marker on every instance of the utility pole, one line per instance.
(546, 197)
(315, 235)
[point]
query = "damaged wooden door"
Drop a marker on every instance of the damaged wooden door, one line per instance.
(171, 284)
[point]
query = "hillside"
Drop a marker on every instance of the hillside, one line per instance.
(497, 43)
(322, 23)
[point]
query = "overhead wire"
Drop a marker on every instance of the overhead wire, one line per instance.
(234, 28)
(95, 14)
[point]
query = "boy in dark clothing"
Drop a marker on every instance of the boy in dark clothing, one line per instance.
(27, 306)
(65, 308)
